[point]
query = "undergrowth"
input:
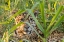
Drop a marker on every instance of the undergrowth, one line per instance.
(50, 12)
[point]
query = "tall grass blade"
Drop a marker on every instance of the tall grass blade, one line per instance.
(14, 27)
(55, 5)
(9, 4)
(55, 17)
(5, 22)
(34, 6)
(36, 21)
(42, 13)
(16, 14)
(32, 14)
(57, 23)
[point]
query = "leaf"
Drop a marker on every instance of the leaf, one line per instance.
(5, 22)
(16, 14)
(32, 14)
(55, 17)
(42, 13)
(36, 21)
(4, 7)
(9, 20)
(55, 4)
(14, 27)
(57, 23)
(9, 4)
(34, 6)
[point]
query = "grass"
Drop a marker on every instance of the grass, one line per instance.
(46, 31)
(26, 6)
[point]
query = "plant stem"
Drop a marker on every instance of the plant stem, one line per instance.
(44, 40)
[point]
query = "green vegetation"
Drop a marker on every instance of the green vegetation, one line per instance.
(50, 12)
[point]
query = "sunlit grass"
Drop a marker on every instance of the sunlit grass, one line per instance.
(30, 6)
